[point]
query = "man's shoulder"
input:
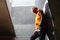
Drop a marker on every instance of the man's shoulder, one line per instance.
(41, 12)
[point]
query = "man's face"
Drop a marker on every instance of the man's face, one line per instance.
(35, 11)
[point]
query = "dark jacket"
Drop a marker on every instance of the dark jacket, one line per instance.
(47, 17)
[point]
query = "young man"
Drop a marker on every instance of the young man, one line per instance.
(37, 23)
(44, 24)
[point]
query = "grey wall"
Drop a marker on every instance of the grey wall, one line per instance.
(23, 15)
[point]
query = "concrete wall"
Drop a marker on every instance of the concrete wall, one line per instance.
(23, 15)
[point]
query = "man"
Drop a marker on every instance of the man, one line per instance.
(37, 23)
(46, 25)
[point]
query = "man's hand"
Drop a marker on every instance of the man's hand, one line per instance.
(37, 30)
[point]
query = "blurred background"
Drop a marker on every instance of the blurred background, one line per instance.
(22, 17)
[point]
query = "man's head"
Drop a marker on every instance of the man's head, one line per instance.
(35, 10)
